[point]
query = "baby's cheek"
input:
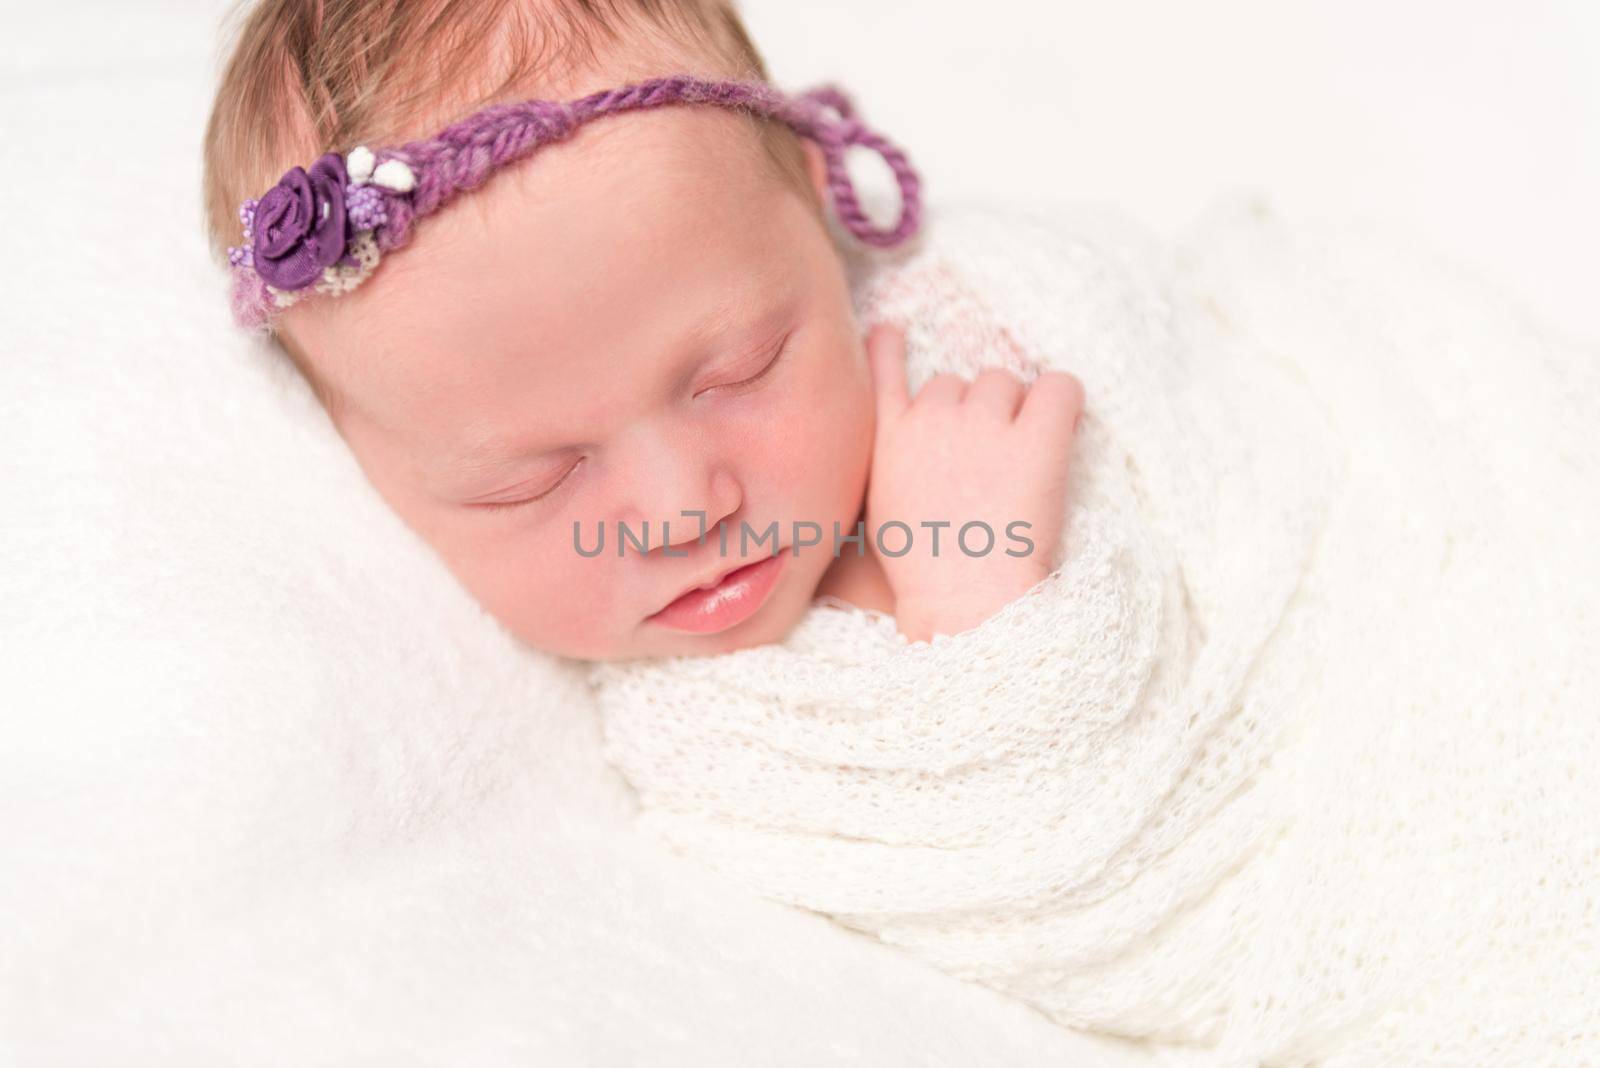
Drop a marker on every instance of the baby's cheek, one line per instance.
(826, 435)
(547, 595)
(841, 429)
(580, 595)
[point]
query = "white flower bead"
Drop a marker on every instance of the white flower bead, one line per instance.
(395, 175)
(358, 165)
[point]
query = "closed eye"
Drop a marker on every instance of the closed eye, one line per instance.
(496, 505)
(740, 386)
(783, 346)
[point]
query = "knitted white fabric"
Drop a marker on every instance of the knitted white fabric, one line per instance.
(1285, 762)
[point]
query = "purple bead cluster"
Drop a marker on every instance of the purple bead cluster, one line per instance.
(243, 256)
(363, 205)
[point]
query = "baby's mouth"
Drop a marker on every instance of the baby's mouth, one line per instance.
(721, 576)
(726, 599)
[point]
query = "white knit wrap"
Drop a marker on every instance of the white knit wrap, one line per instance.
(1282, 763)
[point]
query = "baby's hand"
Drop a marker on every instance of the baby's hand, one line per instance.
(994, 451)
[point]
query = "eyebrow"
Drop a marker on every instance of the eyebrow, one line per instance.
(765, 326)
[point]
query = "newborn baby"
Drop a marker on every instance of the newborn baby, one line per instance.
(650, 328)
(1109, 706)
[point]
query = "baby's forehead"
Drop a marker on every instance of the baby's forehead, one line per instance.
(647, 209)
(537, 275)
(683, 153)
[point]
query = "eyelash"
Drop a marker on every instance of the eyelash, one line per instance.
(783, 347)
(498, 505)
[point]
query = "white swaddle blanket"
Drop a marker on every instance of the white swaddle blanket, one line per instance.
(1290, 758)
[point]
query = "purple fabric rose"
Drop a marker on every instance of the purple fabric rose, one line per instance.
(301, 225)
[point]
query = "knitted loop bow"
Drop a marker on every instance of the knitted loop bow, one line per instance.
(324, 230)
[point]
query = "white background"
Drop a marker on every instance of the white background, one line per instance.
(1476, 124)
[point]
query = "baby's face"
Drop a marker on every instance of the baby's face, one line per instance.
(639, 323)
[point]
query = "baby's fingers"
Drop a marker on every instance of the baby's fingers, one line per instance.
(1055, 399)
(886, 359)
(996, 391)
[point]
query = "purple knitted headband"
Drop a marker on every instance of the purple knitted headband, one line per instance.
(324, 231)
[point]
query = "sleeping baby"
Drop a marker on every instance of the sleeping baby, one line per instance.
(969, 578)
(630, 415)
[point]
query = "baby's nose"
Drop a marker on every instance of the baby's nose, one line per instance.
(682, 488)
(705, 495)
